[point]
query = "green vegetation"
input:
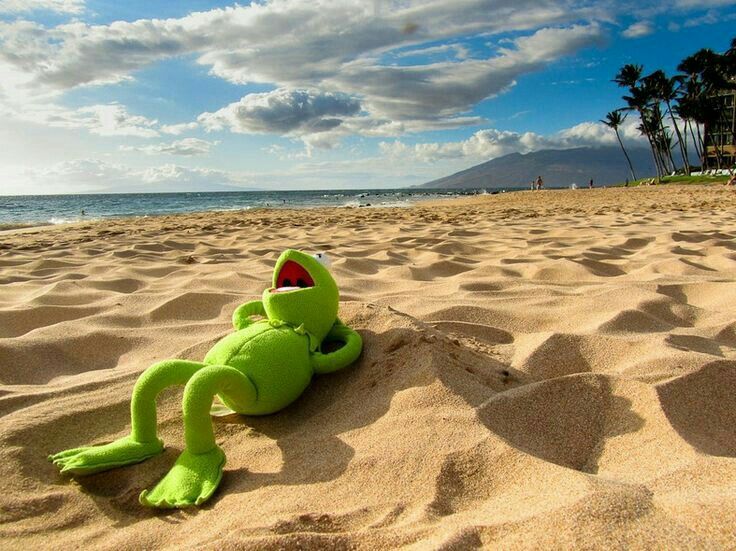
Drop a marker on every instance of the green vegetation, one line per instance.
(688, 101)
(679, 179)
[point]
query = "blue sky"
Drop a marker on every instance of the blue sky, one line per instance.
(289, 94)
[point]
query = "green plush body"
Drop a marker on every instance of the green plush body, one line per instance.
(259, 369)
(275, 359)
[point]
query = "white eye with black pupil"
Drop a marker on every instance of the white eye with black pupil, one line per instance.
(323, 259)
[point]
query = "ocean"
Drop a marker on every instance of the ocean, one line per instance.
(30, 210)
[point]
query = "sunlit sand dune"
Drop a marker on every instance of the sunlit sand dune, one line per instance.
(548, 369)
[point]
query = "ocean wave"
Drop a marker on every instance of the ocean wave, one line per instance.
(55, 221)
(394, 204)
(58, 210)
(231, 209)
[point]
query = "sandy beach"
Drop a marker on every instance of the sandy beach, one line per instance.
(548, 369)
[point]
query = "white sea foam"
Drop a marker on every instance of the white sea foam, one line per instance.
(54, 220)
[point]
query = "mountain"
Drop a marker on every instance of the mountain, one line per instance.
(558, 168)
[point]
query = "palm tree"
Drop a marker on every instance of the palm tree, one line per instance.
(688, 109)
(711, 73)
(628, 77)
(652, 86)
(667, 90)
(696, 97)
(640, 101)
(614, 120)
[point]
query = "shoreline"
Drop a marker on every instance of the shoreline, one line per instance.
(470, 196)
(469, 199)
(64, 209)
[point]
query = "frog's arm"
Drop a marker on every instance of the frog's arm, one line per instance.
(342, 357)
(242, 314)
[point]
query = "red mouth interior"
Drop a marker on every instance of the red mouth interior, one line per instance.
(293, 275)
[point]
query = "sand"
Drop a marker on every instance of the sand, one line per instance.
(550, 370)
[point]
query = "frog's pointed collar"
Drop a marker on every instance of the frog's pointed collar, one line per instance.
(314, 342)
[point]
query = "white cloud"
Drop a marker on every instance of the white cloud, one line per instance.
(114, 120)
(188, 147)
(180, 174)
(443, 90)
(711, 17)
(283, 111)
(177, 129)
(104, 120)
(74, 176)
(457, 51)
(59, 6)
(399, 164)
(491, 143)
(638, 29)
(95, 175)
(702, 4)
(327, 60)
(397, 99)
(320, 45)
(110, 119)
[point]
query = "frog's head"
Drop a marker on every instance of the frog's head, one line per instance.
(303, 292)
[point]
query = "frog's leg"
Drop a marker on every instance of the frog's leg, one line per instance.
(198, 470)
(142, 442)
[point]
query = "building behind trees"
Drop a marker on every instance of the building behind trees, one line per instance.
(720, 134)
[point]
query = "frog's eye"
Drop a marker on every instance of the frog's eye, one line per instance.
(323, 259)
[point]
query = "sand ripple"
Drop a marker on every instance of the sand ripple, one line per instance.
(540, 370)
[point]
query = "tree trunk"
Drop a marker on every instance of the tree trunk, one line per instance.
(683, 148)
(654, 142)
(658, 143)
(655, 157)
(665, 144)
(696, 145)
(703, 152)
(685, 138)
(631, 167)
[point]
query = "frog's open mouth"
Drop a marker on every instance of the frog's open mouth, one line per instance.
(292, 277)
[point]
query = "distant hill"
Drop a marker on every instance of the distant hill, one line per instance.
(606, 165)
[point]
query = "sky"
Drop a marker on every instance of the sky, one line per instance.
(111, 96)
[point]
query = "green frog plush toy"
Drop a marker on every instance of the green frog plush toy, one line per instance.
(259, 369)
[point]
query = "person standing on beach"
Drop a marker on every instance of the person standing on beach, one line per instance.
(540, 182)
(590, 184)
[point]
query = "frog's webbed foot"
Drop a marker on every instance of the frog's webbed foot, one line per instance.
(191, 481)
(93, 459)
